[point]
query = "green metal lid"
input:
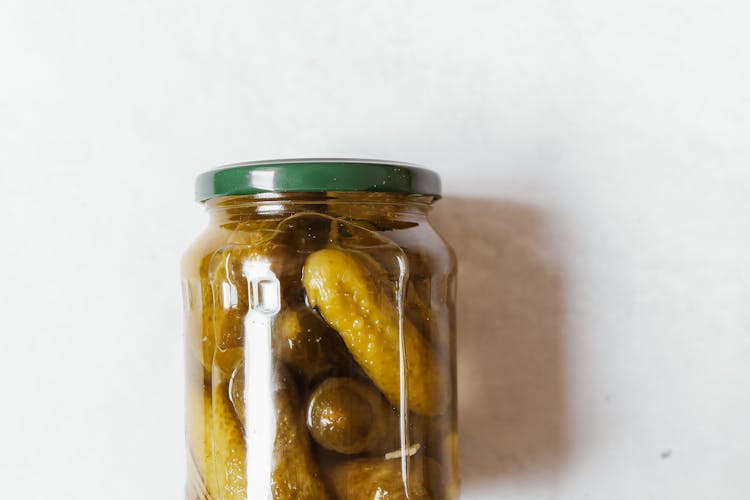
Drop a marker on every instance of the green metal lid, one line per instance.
(317, 175)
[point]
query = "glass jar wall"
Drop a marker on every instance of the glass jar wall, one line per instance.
(320, 346)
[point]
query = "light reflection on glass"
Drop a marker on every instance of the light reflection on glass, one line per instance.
(272, 208)
(260, 417)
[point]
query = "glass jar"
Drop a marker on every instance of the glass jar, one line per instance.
(320, 335)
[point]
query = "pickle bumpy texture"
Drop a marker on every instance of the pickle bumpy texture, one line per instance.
(228, 447)
(340, 286)
(295, 474)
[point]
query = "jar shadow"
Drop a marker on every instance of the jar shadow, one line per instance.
(511, 359)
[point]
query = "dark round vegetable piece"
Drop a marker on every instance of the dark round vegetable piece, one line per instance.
(349, 416)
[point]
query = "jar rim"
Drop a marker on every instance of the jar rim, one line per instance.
(317, 175)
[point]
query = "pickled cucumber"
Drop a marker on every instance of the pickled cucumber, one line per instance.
(305, 343)
(339, 285)
(199, 429)
(295, 474)
(376, 479)
(350, 416)
(228, 447)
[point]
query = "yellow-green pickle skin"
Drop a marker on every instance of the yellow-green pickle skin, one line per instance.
(228, 447)
(376, 479)
(339, 285)
(295, 473)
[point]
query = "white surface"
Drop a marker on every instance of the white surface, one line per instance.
(605, 332)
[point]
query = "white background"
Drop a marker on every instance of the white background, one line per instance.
(595, 160)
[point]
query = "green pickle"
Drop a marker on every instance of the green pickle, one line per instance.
(199, 427)
(359, 355)
(228, 448)
(376, 478)
(339, 285)
(311, 348)
(295, 474)
(350, 416)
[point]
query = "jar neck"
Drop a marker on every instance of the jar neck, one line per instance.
(351, 206)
